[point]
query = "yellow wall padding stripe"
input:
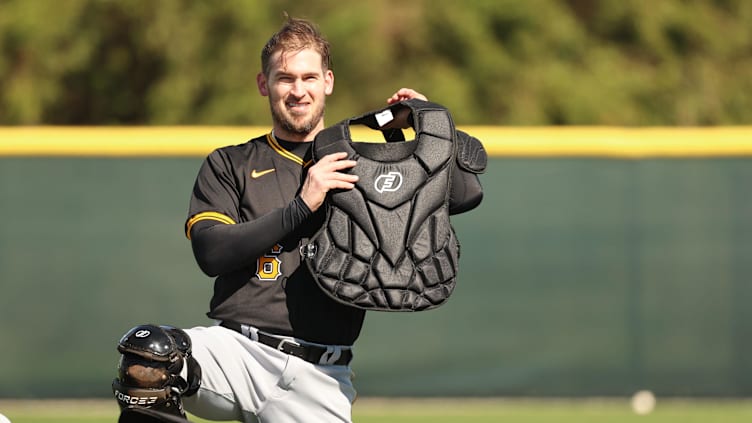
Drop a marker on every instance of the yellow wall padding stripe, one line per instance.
(617, 142)
(120, 141)
(206, 216)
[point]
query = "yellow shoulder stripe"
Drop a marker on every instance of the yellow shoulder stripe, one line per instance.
(219, 217)
(281, 150)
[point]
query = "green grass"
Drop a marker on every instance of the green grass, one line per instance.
(373, 410)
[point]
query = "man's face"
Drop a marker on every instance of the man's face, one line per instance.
(297, 87)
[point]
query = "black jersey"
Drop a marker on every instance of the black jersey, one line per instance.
(250, 192)
(247, 222)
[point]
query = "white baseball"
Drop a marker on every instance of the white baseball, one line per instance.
(643, 402)
(4, 419)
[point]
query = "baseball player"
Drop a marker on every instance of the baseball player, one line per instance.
(281, 350)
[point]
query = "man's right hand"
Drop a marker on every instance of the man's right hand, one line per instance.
(325, 175)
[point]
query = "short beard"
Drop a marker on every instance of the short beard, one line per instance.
(291, 126)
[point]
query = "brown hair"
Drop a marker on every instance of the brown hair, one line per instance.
(296, 35)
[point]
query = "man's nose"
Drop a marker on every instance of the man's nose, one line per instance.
(298, 88)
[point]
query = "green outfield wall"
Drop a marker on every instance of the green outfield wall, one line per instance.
(581, 273)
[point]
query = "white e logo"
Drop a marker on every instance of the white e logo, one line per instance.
(388, 182)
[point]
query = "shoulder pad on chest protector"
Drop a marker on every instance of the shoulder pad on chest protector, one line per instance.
(471, 156)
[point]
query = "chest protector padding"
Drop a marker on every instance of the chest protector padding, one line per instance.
(388, 244)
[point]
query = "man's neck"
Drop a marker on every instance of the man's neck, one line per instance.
(281, 133)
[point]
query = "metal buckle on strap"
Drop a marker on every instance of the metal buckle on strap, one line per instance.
(283, 341)
(323, 354)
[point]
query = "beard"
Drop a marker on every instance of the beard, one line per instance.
(297, 124)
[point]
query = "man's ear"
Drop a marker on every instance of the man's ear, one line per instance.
(329, 81)
(261, 84)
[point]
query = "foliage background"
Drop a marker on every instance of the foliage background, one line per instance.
(495, 62)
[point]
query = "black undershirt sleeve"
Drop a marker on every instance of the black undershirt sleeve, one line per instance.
(221, 248)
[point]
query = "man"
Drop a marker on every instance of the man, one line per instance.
(282, 348)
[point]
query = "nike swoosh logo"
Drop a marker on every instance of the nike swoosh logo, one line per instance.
(255, 174)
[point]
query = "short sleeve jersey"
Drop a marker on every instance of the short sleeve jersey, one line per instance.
(275, 292)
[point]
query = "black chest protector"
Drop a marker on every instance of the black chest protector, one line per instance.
(388, 244)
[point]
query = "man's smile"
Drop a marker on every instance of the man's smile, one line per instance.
(297, 107)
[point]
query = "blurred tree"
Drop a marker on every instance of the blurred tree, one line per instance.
(500, 62)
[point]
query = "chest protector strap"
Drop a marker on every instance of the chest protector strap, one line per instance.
(388, 244)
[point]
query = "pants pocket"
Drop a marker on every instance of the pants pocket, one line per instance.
(289, 374)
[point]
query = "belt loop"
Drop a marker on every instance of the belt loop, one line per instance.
(331, 355)
(249, 332)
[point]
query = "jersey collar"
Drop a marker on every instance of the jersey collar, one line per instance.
(284, 152)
